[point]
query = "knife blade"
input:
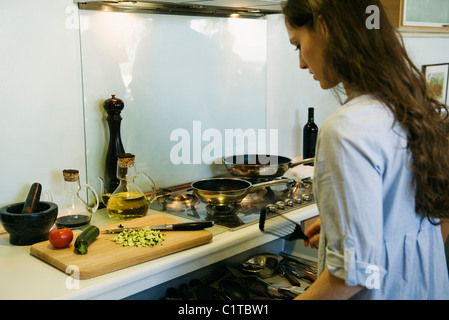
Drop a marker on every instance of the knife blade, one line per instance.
(168, 227)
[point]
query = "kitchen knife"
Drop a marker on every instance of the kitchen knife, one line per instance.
(168, 227)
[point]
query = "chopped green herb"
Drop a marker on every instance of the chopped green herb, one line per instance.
(139, 238)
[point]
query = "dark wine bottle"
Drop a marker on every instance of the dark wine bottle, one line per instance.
(310, 134)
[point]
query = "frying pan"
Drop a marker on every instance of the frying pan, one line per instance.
(229, 191)
(260, 166)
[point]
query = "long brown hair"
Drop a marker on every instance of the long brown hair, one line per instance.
(375, 61)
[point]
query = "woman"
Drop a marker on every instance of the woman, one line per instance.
(382, 165)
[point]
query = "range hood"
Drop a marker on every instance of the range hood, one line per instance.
(217, 8)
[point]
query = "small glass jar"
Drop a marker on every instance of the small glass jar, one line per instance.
(74, 212)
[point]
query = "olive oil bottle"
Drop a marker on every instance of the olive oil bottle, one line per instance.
(127, 205)
(128, 201)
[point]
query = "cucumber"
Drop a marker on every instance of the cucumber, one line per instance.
(86, 238)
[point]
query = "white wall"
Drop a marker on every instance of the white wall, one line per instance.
(424, 49)
(41, 118)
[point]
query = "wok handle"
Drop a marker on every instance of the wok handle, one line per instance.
(272, 183)
(305, 161)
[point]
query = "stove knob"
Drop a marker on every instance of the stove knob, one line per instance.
(289, 202)
(297, 200)
(280, 205)
(271, 208)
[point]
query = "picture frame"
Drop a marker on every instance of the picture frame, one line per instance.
(419, 13)
(437, 76)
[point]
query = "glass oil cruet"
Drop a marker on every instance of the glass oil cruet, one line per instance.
(74, 212)
(128, 201)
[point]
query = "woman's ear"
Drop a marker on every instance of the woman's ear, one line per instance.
(321, 26)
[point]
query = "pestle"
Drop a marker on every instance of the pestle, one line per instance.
(32, 200)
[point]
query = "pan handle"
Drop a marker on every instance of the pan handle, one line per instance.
(271, 183)
(305, 161)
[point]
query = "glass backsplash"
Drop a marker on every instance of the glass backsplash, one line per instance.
(188, 84)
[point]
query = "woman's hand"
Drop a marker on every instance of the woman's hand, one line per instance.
(313, 233)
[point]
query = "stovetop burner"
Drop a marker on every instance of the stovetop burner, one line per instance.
(181, 201)
(225, 215)
(177, 201)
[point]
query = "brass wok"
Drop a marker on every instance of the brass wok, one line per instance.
(229, 191)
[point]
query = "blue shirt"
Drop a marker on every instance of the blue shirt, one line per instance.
(370, 233)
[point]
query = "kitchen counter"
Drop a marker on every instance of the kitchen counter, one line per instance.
(23, 276)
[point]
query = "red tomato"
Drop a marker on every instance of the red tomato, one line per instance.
(60, 238)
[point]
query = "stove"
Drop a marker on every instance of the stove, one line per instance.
(181, 201)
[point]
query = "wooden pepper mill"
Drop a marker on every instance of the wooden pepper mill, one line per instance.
(113, 107)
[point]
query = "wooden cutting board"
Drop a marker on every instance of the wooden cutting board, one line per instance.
(105, 256)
